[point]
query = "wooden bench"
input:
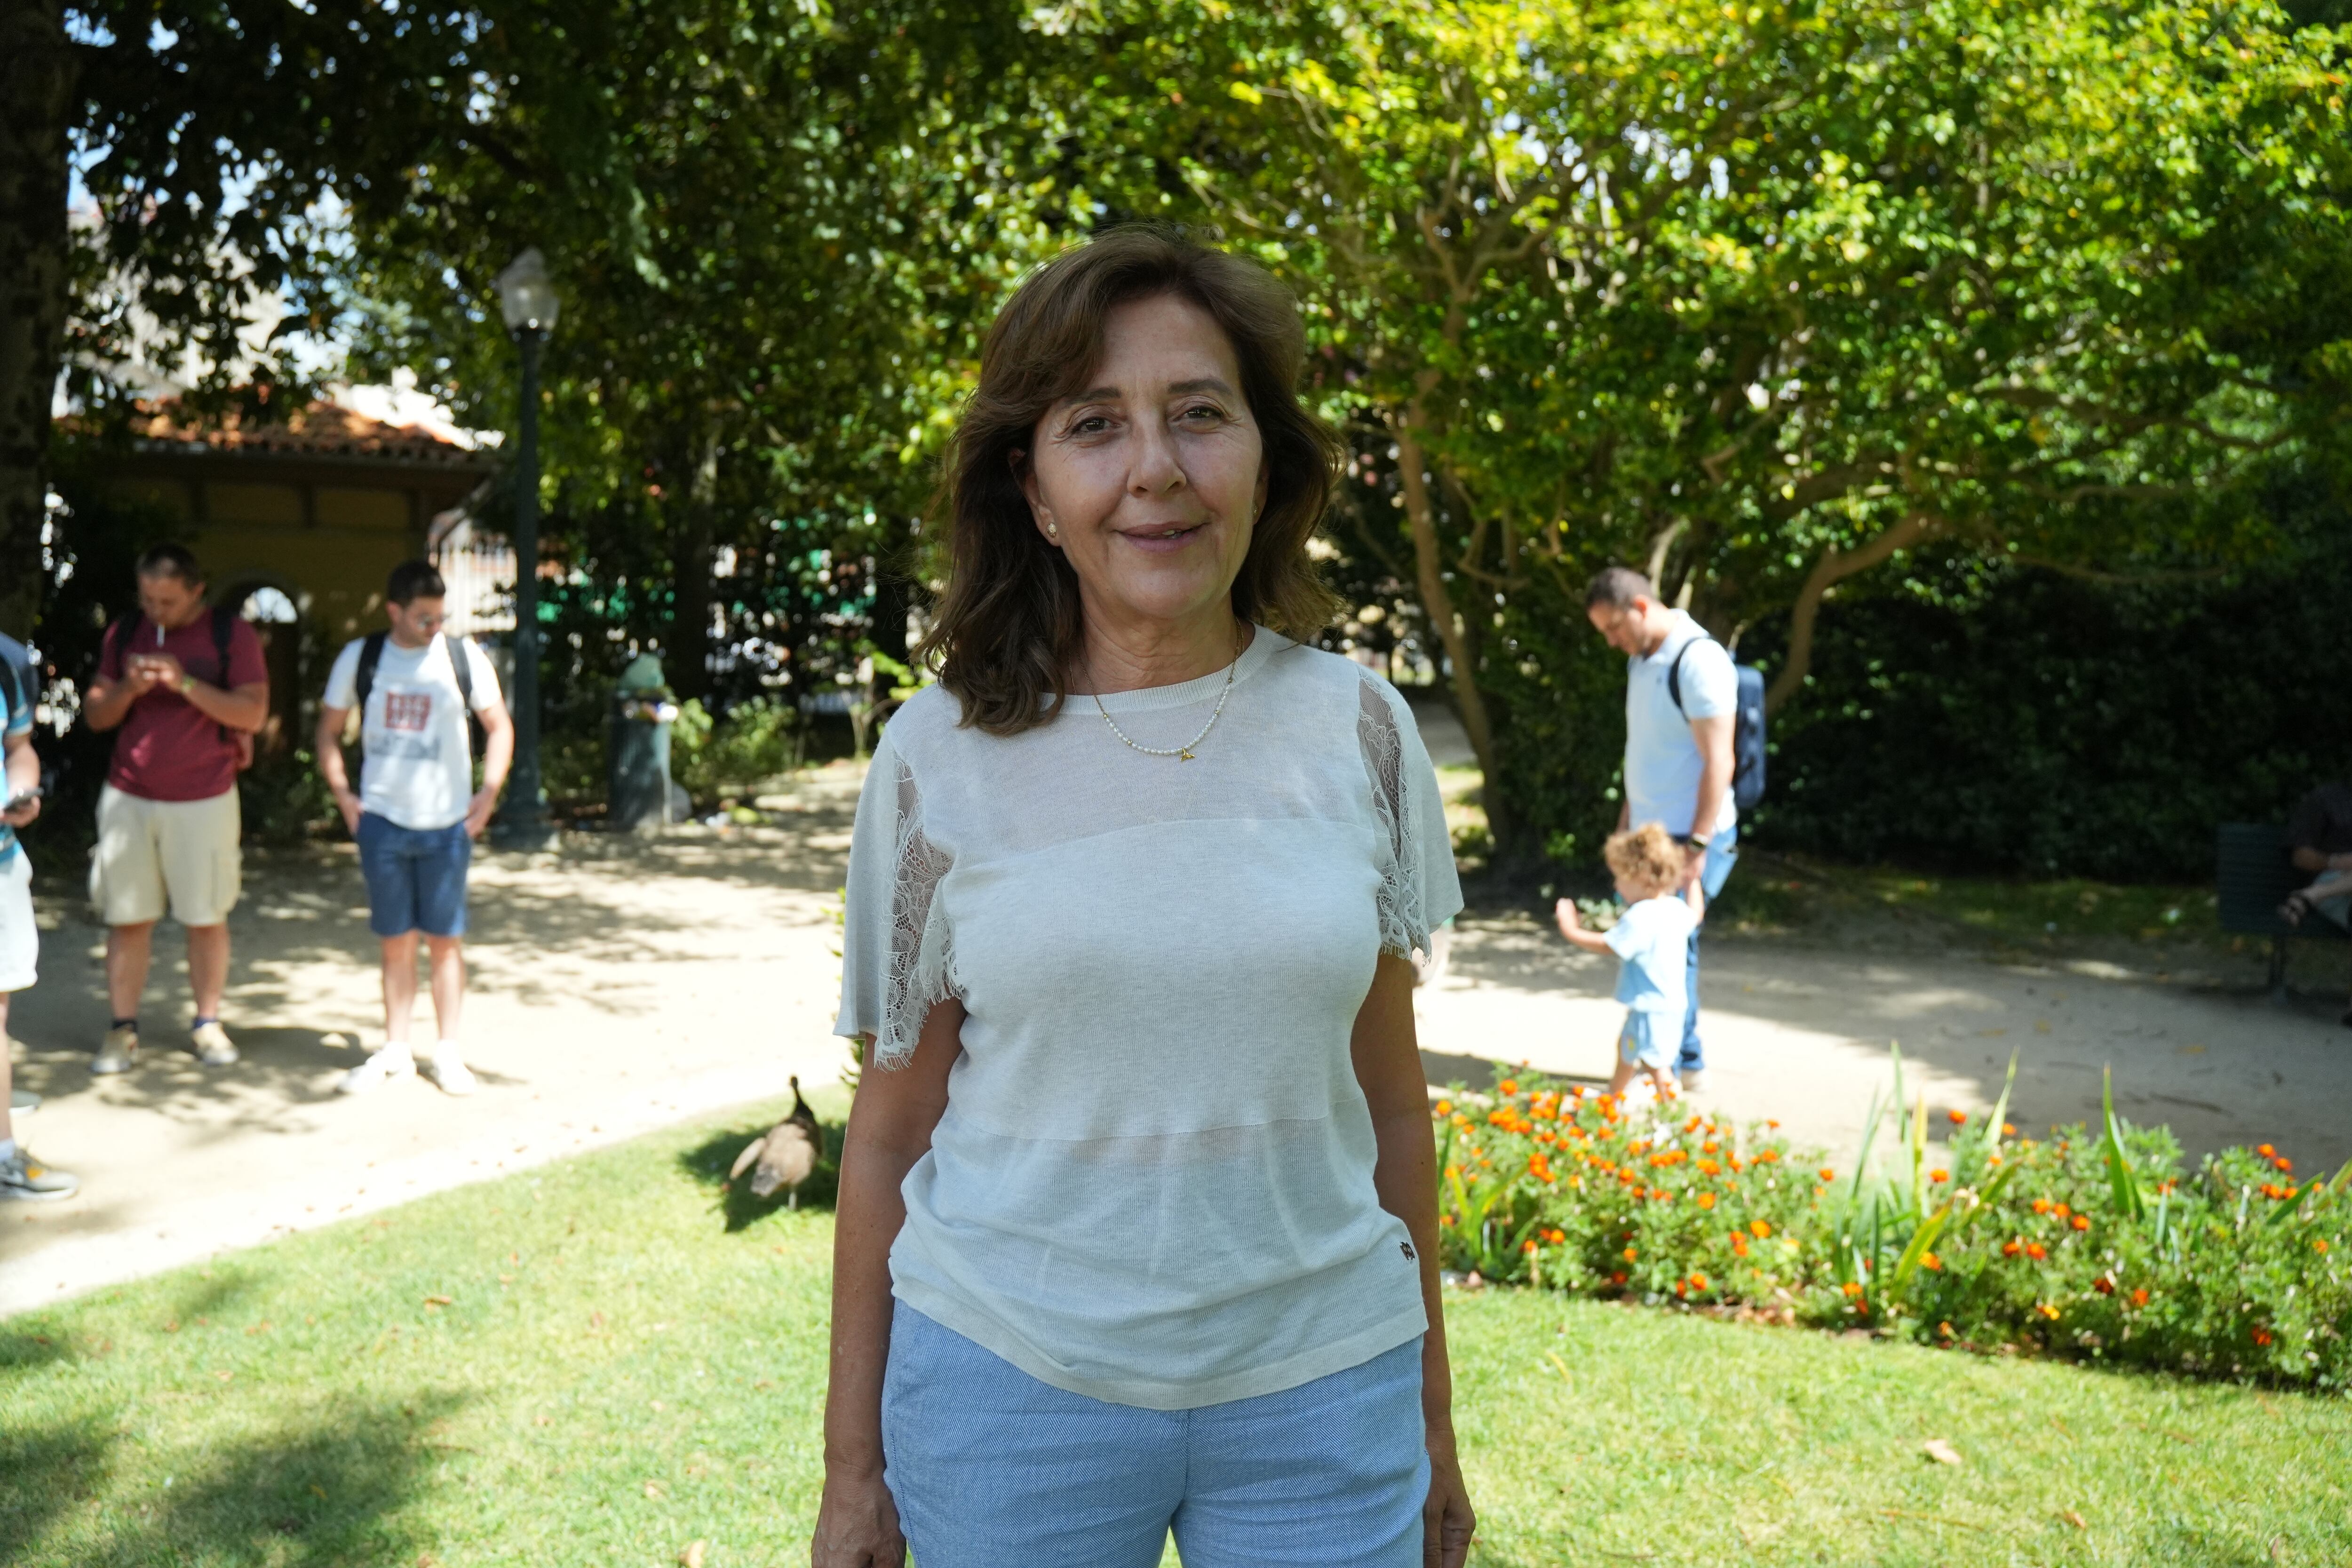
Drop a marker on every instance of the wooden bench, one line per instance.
(2253, 876)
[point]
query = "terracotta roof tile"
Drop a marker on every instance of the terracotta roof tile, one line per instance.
(322, 430)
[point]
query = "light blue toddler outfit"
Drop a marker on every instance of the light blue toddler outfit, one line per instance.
(1651, 941)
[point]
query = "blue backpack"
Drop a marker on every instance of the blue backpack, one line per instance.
(1747, 728)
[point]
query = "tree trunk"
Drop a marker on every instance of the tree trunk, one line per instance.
(689, 640)
(1437, 607)
(1834, 567)
(35, 91)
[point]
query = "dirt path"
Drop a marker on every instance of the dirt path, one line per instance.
(1798, 1029)
(621, 985)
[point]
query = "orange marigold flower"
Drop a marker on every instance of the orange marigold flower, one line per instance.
(1444, 1108)
(1760, 1228)
(2012, 1247)
(1709, 1168)
(1828, 1174)
(2264, 1150)
(1939, 1175)
(2042, 1206)
(2081, 1222)
(1706, 1200)
(1771, 1123)
(1958, 1117)
(2036, 1251)
(1618, 1278)
(1930, 1260)
(1555, 1235)
(1738, 1245)
(1708, 1147)
(1853, 1291)
(1508, 1086)
(1766, 1157)
(2319, 1244)
(1630, 1254)
(2060, 1210)
(2139, 1296)
(2262, 1336)
(1698, 1281)
(2047, 1310)
(2284, 1163)
(2008, 1129)
(2104, 1286)
(1693, 1124)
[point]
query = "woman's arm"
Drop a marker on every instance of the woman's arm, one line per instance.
(1388, 1068)
(891, 1126)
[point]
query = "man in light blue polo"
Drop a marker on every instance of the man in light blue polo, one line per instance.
(1682, 703)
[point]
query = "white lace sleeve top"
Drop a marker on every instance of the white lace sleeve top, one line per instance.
(1153, 1181)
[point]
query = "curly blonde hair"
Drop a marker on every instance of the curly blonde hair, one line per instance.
(1645, 856)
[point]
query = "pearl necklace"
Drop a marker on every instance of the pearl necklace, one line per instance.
(1183, 753)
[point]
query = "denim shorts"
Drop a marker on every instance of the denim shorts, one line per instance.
(990, 1468)
(415, 876)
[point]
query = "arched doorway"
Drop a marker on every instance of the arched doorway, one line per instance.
(278, 620)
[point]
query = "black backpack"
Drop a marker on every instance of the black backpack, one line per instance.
(1746, 729)
(364, 682)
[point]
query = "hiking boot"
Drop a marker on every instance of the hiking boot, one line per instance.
(23, 1179)
(121, 1049)
(450, 1072)
(211, 1044)
(391, 1062)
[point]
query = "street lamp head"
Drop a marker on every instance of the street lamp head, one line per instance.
(527, 295)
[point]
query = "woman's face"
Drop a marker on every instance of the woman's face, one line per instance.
(1150, 479)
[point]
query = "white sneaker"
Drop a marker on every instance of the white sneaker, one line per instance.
(212, 1046)
(450, 1072)
(372, 1074)
(1694, 1080)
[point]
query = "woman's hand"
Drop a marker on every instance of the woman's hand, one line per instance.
(1447, 1520)
(856, 1524)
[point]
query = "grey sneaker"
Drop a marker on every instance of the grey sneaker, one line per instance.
(1694, 1080)
(23, 1179)
(211, 1044)
(121, 1049)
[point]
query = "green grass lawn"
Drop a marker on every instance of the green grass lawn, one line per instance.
(600, 1364)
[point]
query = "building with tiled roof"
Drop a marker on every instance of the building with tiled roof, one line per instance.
(299, 519)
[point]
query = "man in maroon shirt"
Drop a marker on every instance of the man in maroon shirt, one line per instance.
(187, 687)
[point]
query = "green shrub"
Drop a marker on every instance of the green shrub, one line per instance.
(2095, 1245)
(751, 742)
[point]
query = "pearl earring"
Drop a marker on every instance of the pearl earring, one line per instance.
(1053, 532)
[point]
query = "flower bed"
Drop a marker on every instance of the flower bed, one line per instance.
(2094, 1244)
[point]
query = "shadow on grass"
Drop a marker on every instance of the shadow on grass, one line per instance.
(708, 1162)
(330, 1490)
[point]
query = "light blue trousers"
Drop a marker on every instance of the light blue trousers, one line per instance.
(991, 1468)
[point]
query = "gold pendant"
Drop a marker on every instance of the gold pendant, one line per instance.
(1185, 755)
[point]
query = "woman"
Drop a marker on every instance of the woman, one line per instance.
(1136, 1224)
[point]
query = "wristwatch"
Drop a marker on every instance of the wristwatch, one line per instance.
(1698, 840)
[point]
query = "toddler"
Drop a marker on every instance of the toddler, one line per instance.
(1651, 941)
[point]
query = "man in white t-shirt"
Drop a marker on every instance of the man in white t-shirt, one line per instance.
(1678, 754)
(417, 812)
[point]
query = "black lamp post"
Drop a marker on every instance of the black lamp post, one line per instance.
(527, 299)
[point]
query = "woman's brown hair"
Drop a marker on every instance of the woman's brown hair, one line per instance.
(1007, 633)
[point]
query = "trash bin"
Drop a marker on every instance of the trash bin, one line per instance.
(636, 751)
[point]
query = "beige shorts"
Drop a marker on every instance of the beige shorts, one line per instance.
(20, 939)
(150, 849)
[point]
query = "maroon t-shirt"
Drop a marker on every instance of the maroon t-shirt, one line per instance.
(168, 748)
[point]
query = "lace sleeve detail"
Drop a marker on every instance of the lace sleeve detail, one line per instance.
(919, 950)
(1396, 811)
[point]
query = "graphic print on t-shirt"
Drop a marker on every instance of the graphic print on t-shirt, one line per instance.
(407, 730)
(407, 710)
